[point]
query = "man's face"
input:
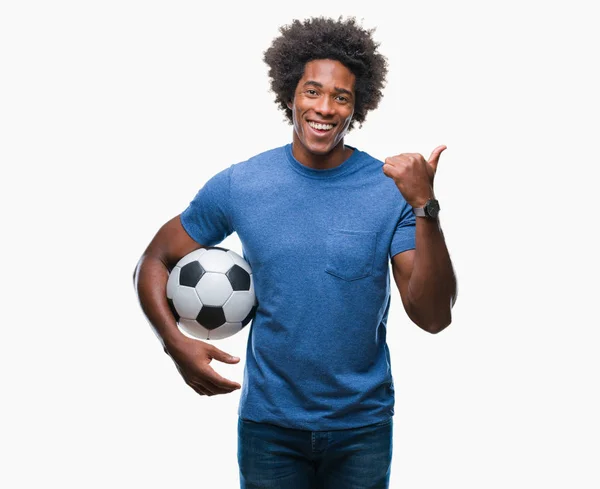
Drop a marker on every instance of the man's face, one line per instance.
(323, 105)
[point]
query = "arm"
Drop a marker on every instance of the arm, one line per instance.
(192, 357)
(424, 276)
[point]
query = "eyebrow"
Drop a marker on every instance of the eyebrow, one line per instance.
(320, 85)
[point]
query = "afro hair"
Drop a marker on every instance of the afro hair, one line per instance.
(326, 38)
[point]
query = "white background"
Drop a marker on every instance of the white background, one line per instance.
(114, 113)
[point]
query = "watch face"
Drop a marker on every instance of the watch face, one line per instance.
(432, 208)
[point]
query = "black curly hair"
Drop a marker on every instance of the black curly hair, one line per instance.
(326, 38)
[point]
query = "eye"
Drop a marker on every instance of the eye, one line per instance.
(341, 98)
(310, 91)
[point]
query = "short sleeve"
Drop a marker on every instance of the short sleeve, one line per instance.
(403, 238)
(207, 219)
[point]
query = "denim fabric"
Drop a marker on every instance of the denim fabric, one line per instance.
(272, 457)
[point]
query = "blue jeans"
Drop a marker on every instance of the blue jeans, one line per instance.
(272, 457)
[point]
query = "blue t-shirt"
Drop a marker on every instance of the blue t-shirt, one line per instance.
(319, 243)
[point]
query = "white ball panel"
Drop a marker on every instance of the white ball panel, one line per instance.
(238, 306)
(173, 282)
(192, 329)
(228, 329)
(216, 261)
(186, 302)
(214, 288)
(190, 257)
(238, 260)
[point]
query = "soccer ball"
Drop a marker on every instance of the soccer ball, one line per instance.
(211, 293)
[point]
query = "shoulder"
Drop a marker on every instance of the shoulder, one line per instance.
(260, 166)
(372, 168)
(241, 171)
(368, 160)
(270, 156)
(377, 184)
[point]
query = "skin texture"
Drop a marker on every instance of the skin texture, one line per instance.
(424, 276)
(324, 94)
(191, 357)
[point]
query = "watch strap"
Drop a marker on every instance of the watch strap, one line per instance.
(430, 210)
(419, 211)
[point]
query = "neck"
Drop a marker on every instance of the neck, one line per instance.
(331, 159)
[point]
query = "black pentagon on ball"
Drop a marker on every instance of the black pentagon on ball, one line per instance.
(191, 274)
(211, 317)
(239, 278)
(173, 310)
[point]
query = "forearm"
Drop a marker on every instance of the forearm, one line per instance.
(150, 283)
(432, 283)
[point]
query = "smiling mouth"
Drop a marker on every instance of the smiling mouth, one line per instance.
(321, 127)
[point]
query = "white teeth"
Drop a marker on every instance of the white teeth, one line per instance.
(322, 127)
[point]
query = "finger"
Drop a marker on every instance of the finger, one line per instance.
(435, 156)
(389, 170)
(217, 380)
(199, 385)
(221, 356)
(205, 387)
(198, 388)
(218, 388)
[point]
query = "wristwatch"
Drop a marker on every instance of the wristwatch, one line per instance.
(431, 209)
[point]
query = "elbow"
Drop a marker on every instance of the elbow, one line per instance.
(435, 328)
(438, 319)
(435, 325)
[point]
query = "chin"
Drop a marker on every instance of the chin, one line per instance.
(321, 149)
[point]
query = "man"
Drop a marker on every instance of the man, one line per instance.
(320, 222)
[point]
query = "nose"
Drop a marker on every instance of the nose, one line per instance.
(325, 106)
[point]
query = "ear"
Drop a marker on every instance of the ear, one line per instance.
(289, 104)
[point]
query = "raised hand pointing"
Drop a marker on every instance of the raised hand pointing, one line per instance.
(413, 175)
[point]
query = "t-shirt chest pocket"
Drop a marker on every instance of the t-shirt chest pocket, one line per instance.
(350, 254)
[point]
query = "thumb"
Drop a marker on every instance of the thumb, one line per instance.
(435, 157)
(224, 357)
